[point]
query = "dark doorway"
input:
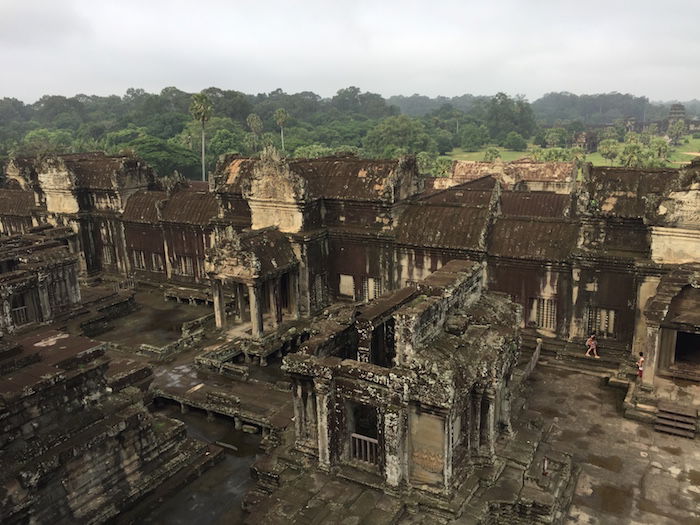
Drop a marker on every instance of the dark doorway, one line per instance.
(365, 420)
(383, 344)
(284, 290)
(688, 348)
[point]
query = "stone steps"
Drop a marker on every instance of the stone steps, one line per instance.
(676, 420)
(192, 468)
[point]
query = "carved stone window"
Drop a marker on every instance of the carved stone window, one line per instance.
(544, 312)
(601, 321)
(139, 259)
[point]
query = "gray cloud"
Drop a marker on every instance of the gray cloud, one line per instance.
(391, 47)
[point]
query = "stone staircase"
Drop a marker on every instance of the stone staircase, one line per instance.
(676, 420)
(571, 355)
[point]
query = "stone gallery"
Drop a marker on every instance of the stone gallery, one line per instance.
(383, 333)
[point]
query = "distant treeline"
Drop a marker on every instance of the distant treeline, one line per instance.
(161, 129)
(590, 110)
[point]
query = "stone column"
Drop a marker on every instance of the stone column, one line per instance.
(467, 419)
(275, 302)
(489, 447)
(240, 299)
(44, 304)
(651, 355)
(294, 296)
(394, 445)
(323, 398)
(217, 291)
(505, 416)
(298, 410)
(647, 290)
(256, 317)
(476, 396)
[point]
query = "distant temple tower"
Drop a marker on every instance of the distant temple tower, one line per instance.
(677, 112)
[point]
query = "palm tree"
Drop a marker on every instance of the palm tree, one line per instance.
(256, 126)
(281, 117)
(201, 110)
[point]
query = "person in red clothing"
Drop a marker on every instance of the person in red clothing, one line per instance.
(592, 344)
(640, 365)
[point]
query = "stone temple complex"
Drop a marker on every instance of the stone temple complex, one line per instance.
(402, 347)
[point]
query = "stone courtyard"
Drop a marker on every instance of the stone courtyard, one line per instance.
(629, 473)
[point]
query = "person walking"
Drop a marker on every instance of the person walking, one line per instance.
(592, 344)
(640, 365)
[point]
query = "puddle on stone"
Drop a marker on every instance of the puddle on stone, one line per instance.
(596, 430)
(614, 500)
(550, 412)
(611, 463)
(676, 451)
(694, 477)
(643, 433)
(570, 435)
(217, 494)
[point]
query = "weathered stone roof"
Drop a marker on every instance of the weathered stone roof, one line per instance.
(511, 172)
(233, 172)
(345, 178)
(271, 247)
(526, 238)
(143, 206)
(191, 207)
(535, 204)
(16, 202)
(460, 195)
(251, 255)
(443, 226)
(625, 192)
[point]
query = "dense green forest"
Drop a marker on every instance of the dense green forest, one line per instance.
(164, 129)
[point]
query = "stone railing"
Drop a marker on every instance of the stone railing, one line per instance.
(363, 448)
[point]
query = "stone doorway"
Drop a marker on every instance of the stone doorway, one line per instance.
(687, 351)
(362, 423)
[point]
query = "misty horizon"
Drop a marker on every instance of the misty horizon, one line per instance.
(70, 47)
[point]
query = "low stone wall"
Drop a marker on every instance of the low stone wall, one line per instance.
(161, 352)
(99, 323)
(190, 327)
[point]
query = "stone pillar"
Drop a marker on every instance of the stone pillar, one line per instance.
(256, 317)
(646, 290)
(217, 291)
(7, 322)
(294, 297)
(323, 398)
(240, 299)
(651, 355)
(467, 419)
(394, 445)
(298, 410)
(475, 420)
(44, 304)
(489, 447)
(505, 415)
(275, 302)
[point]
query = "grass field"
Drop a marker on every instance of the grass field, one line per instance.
(678, 157)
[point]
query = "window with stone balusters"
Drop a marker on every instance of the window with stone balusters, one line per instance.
(601, 321)
(543, 312)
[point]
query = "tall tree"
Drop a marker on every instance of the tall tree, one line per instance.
(609, 149)
(201, 110)
(281, 117)
(255, 125)
(675, 131)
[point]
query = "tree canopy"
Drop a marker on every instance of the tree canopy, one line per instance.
(170, 123)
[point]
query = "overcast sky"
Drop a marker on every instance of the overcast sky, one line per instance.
(431, 47)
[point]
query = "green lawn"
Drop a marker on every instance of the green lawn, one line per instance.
(678, 157)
